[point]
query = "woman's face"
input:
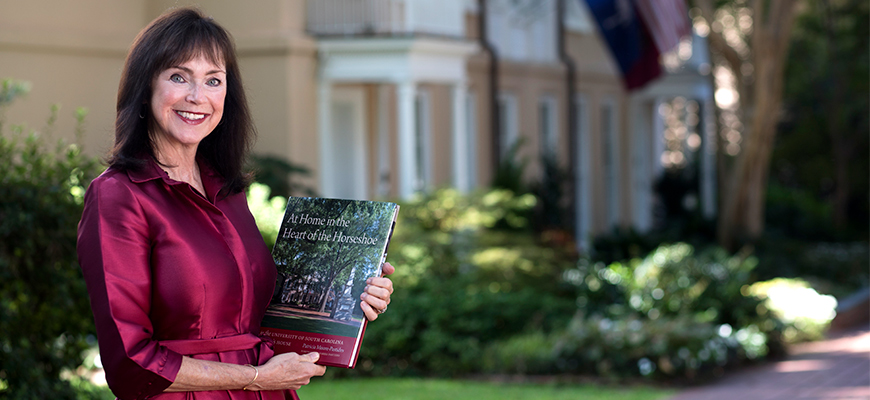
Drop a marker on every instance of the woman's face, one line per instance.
(188, 102)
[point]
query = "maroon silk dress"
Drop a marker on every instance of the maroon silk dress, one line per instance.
(173, 273)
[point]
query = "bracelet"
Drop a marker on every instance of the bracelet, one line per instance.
(256, 374)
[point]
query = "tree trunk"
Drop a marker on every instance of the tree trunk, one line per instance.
(741, 216)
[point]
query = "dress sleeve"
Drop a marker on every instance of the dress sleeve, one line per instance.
(114, 254)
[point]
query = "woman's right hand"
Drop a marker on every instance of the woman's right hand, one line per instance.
(287, 371)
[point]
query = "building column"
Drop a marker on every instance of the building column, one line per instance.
(324, 116)
(407, 140)
(460, 138)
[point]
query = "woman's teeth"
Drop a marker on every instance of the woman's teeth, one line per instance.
(191, 116)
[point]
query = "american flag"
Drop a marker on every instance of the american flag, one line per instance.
(638, 31)
(667, 21)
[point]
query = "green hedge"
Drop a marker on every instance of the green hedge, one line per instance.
(469, 273)
(674, 313)
(477, 292)
(45, 319)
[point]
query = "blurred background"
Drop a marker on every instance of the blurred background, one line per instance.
(606, 189)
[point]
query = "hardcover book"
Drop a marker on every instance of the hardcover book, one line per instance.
(325, 251)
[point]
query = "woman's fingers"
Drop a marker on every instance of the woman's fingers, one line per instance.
(387, 269)
(376, 296)
(288, 371)
(371, 312)
(379, 287)
(378, 303)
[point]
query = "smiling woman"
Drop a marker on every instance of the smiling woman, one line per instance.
(168, 51)
(187, 104)
(178, 274)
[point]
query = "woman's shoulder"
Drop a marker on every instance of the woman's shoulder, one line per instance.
(113, 185)
(116, 197)
(128, 175)
(111, 177)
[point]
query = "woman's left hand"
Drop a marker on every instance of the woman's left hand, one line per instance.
(376, 296)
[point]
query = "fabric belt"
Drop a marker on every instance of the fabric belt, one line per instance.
(243, 341)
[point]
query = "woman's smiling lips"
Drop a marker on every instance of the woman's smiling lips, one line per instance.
(191, 117)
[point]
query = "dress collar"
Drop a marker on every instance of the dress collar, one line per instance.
(150, 171)
(211, 181)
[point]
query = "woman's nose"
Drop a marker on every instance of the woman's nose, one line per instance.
(194, 95)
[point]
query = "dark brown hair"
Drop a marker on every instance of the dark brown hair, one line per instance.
(174, 38)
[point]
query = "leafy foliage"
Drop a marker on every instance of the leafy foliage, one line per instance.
(552, 210)
(472, 298)
(837, 268)
(509, 174)
(671, 314)
(462, 283)
(281, 176)
(804, 313)
(823, 147)
(45, 319)
(267, 210)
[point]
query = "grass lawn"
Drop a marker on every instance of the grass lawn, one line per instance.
(431, 389)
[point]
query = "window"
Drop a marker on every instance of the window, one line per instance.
(471, 137)
(523, 30)
(584, 170)
(421, 143)
(610, 160)
(547, 126)
(507, 114)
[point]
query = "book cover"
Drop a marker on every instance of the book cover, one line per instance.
(325, 251)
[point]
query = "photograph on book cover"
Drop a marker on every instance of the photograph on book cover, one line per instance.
(326, 249)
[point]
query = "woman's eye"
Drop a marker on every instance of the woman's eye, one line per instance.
(213, 82)
(176, 78)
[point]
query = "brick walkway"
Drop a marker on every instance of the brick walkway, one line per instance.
(836, 368)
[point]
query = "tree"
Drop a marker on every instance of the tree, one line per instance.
(749, 41)
(823, 142)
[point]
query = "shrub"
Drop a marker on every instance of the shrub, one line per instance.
(805, 313)
(798, 213)
(268, 211)
(478, 292)
(45, 319)
(553, 211)
(463, 283)
(833, 268)
(637, 346)
(281, 176)
(524, 353)
(673, 313)
(511, 168)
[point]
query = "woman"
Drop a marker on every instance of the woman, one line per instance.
(178, 274)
